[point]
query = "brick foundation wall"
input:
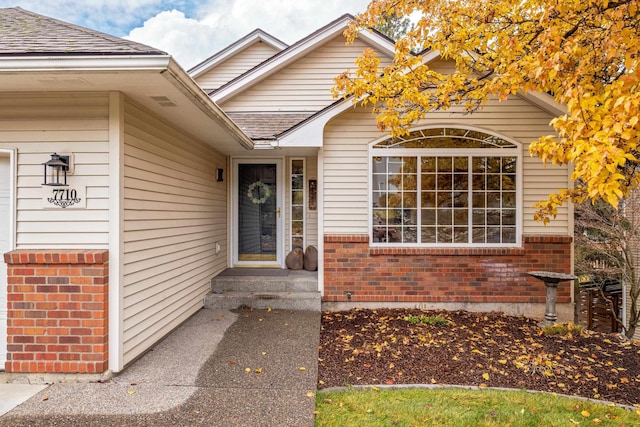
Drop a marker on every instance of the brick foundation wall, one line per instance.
(472, 275)
(57, 311)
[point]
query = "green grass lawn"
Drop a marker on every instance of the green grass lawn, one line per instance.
(458, 407)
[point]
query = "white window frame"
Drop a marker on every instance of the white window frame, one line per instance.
(304, 202)
(447, 152)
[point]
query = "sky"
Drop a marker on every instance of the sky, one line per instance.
(193, 30)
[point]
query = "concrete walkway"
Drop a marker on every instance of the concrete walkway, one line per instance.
(222, 368)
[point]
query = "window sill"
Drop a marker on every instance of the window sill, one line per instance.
(397, 251)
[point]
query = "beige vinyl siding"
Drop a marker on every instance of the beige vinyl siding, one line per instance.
(235, 65)
(174, 214)
(345, 182)
(38, 124)
(346, 163)
(304, 85)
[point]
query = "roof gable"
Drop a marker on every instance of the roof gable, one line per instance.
(256, 36)
(234, 65)
(26, 33)
(296, 51)
(310, 132)
(304, 85)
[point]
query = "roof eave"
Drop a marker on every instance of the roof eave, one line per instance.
(545, 102)
(179, 77)
(120, 65)
(44, 63)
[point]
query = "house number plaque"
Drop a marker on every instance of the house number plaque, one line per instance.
(64, 197)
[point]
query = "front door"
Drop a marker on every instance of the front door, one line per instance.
(5, 246)
(258, 213)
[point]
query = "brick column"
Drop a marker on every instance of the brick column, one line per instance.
(57, 311)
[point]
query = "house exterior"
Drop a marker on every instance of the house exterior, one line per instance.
(442, 219)
(174, 177)
(92, 286)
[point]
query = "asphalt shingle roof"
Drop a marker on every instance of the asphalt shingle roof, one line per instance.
(25, 33)
(264, 126)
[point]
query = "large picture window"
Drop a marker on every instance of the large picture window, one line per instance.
(445, 186)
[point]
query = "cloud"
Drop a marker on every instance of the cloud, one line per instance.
(220, 23)
(115, 17)
(192, 30)
(187, 39)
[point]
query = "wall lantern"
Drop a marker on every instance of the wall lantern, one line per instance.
(219, 174)
(56, 169)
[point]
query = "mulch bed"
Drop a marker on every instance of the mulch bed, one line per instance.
(395, 346)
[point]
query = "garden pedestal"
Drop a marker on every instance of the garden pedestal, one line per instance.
(551, 280)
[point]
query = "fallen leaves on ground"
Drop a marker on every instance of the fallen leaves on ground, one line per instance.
(488, 349)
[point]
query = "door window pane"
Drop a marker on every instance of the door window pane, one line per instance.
(257, 212)
(297, 204)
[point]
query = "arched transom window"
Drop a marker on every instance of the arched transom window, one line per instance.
(445, 186)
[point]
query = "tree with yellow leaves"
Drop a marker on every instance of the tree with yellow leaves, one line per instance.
(585, 53)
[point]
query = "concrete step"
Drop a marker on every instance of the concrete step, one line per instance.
(295, 281)
(230, 300)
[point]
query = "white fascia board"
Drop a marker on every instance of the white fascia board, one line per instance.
(430, 56)
(85, 63)
(310, 133)
(296, 51)
(181, 80)
(240, 45)
(545, 102)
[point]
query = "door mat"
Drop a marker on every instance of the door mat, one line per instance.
(272, 272)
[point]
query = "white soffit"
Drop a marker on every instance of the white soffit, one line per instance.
(155, 82)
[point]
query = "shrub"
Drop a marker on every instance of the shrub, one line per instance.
(563, 329)
(435, 320)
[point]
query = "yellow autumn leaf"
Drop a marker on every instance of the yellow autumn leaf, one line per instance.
(302, 368)
(310, 394)
(552, 51)
(247, 369)
(258, 371)
(485, 376)
(585, 414)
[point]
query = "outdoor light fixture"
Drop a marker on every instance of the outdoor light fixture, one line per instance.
(219, 174)
(56, 169)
